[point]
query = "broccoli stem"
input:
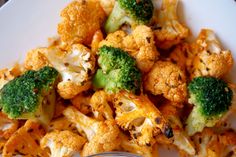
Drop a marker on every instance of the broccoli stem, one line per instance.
(115, 19)
(195, 122)
(100, 79)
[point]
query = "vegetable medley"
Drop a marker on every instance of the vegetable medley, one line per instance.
(121, 76)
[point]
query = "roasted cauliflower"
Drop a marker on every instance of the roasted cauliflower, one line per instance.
(62, 124)
(36, 59)
(7, 75)
(208, 57)
(168, 30)
(25, 141)
(102, 135)
(7, 126)
(132, 147)
(75, 65)
(62, 143)
(100, 106)
(180, 56)
(80, 20)
(107, 5)
(180, 138)
(140, 117)
(82, 102)
(168, 79)
(211, 143)
(139, 44)
(97, 38)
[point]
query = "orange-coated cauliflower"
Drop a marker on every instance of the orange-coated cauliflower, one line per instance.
(107, 5)
(180, 55)
(25, 141)
(82, 103)
(168, 30)
(102, 135)
(62, 124)
(7, 126)
(180, 139)
(208, 57)
(97, 38)
(100, 106)
(62, 143)
(36, 59)
(7, 75)
(168, 79)
(139, 44)
(80, 20)
(207, 144)
(140, 117)
(132, 147)
(75, 65)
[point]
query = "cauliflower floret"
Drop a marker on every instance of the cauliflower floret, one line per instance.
(102, 135)
(100, 106)
(80, 20)
(76, 66)
(107, 5)
(180, 55)
(215, 143)
(82, 103)
(139, 44)
(207, 144)
(209, 59)
(7, 126)
(62, 143)
(132, 147)
(35, 59)
(140, 117)
(25, 141)
(97, 38)
(180, 139)
(169, 31)
(7, 75)
(168, 79)
(62, 124)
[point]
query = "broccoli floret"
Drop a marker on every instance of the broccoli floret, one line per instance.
(118, 71)
(31, 95)
(132, 12)
(211, 98)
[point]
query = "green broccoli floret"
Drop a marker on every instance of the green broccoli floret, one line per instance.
(30, 96)
(211, 98)
(132, 12)
(118, 71)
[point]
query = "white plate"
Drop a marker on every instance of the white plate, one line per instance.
(26, 24)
